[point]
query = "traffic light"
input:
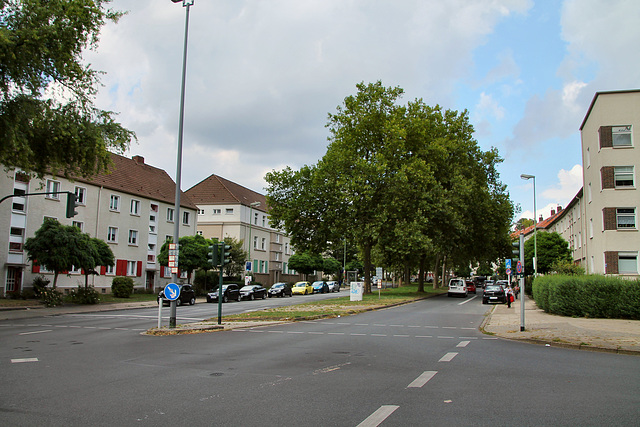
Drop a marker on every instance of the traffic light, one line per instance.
(71, 205)
(226, 253)
(214, 255)
(515, 250)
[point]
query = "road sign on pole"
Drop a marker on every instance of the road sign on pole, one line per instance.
(172, 291)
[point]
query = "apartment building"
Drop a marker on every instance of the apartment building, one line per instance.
(601, 222)
(227, 209)
(131, 208)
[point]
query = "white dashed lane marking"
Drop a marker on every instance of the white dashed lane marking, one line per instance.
(381, 414)
(448, 357)
(422, 379)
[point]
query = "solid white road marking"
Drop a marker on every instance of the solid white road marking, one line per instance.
(463, 343)
(468, 300)
(29, 359)
(423, 379)
(35, 332)
(448, 357)
(381, 414)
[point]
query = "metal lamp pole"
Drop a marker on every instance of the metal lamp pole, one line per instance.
(176, 218)
(535, 245)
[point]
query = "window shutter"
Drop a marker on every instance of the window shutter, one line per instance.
(139, 269)
(606, 136)
(609, 218)
(611, 262)
(162, 272)
(607, 176)
(121, 267)
(103, 270)
(35, 268)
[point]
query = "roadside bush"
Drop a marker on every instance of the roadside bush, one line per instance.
(588, 296)
(122, 287)
(39, 284)
(205, 281)
(84, 295)
(28, 294)
(51, 297)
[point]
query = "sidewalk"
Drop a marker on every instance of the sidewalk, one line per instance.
(610, 335)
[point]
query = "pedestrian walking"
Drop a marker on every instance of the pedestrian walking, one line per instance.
(509, 294)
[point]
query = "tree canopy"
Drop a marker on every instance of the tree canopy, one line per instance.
(48, 123)
(551, 248)
(401, 182)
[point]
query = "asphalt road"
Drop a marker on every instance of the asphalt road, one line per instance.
(423, 363)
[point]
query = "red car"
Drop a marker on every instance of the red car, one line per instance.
(471, 287)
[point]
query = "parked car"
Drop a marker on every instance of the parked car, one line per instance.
(493, 293)
(334, 286)
(229, 292)
(187, 296)
(302, 288)
(457, 287)
(488, 283)
(280, 290)
(471, 287)
(252, 292)
(320, 287)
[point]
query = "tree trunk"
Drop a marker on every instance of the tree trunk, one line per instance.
(367, 267)
(436, 276)
(421, 274)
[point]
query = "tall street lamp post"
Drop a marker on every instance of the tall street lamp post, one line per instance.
(176, 219)
(535, 247)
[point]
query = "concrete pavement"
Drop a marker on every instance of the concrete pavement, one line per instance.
(611, 335)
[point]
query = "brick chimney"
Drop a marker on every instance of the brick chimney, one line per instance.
(553, 212)
(541, 219)
(138, 159)
(559, 208)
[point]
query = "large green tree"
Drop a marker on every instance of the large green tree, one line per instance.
(48, 121)
(551, 248)
(59, 248)
(192, 254)
(306, 262)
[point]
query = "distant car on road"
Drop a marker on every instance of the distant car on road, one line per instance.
(320, 287)
(187, 296)
(252, 292)
(471, 287)
(229, 292)
(334, 286)
(494, 293)
(279, 290)
(457, 287)
(302, 288)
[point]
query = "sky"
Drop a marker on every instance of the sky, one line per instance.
(262, 77)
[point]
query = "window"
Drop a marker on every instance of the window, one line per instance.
(81, 195)
(152, 229)
(200, 211)
(168, 238)
(185, 218)
(588, 158)
(591, 228)
(112, 235)
(151, 247)
(16, 231)
(627, 262)
(110, 270)
(170, 214)
(623, 176)
(135, 207)
(114, 203)
(229, 211)
(626, 218)
(255, 218)
(589, 193)
(264, 221)
(255, 242)
(286, 248)
(78, 224)
(199, 232)
(131, 268)
(53, 187)
(217, 211)
(133, 237)
(621, 136)
(263, 244)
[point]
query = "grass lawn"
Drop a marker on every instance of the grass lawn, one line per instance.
(335, 307)
(104, 299)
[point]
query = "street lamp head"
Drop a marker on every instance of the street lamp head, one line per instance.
(527, 176)
(184, 2)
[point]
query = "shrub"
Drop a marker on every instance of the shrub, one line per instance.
(51, 297)
(588, 296)
(205, 281)
(84, 295)
(39, 284)
(122, 287)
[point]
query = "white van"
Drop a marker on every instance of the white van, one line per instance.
(458, 287)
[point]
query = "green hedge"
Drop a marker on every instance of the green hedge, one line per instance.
(588, 296)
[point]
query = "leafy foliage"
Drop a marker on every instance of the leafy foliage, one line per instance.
(39, 284)
(122, 287)
(551, 248)
(48, 123)
(85, 295)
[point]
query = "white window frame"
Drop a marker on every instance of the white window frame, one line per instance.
(53, 186)
(110, 270)
(114, 203)
(185, 217)
(81, 195)
(217, 211)
(170, 214)
(135, 207)
(200, 211)
(133, 237)
(228, 211)
(628, 213)
(132, 268)
(78, 224)
(624, 173)
(115, 235)
(632, 266)
(619, 136)
(263, 244)
(255, 242)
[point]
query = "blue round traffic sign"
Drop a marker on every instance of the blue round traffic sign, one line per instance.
(171, 292)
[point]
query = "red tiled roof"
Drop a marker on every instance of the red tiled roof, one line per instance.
(541, 225)
(133, 176)
(216, 190)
